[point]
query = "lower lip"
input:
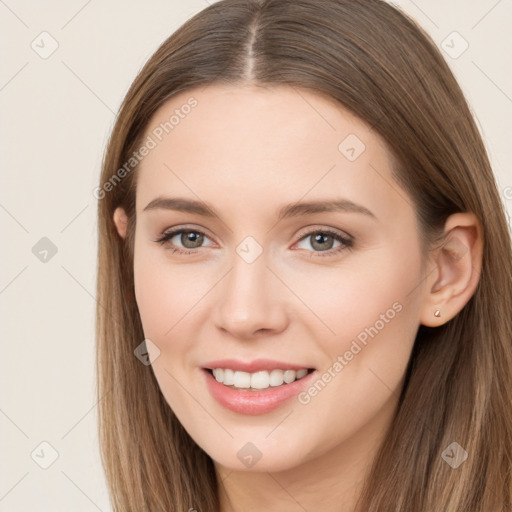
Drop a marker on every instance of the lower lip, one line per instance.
(244, 401)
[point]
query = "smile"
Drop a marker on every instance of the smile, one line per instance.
(256, 392)
(258, 380)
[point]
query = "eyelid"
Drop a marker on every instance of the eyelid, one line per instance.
(309, 230)
(174, 230)
(170, 233)
(345, 240)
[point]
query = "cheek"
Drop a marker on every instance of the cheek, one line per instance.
(153, 303)
(169, 296)
(364, 366)
(369, 322)
(373, 318)
(370, 291)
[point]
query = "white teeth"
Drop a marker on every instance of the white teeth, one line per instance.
(229, 377)
(289, 376)
(276, 377)
(300, 374)
(258, 380)
(242, 380)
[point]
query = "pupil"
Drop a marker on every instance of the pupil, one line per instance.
(193, 238)
(320, 239)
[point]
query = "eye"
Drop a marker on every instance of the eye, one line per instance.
(323, 241)
(189, 239)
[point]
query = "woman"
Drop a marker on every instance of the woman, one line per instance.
(304, 279)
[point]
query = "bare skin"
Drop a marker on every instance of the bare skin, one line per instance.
(247, 152)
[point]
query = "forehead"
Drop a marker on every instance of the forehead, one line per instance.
(275, 144)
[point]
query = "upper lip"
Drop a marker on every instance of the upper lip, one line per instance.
(253, 366)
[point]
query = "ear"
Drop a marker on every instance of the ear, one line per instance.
(121, 221)
(458, 263)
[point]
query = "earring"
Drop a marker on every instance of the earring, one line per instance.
(437, 313)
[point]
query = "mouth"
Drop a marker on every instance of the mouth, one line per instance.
(258, 387)
(257, 381)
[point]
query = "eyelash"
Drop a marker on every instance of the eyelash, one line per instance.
(346, 243)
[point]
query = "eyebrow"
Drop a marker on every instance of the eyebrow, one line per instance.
(287, 211)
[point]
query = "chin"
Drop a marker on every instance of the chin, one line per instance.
(257, 456)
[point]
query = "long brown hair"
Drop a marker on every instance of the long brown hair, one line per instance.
(380, 65)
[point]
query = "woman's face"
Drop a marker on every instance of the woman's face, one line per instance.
(302, 255)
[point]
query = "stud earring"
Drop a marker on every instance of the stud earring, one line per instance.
(437, 313)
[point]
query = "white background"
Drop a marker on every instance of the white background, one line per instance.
(56, 114)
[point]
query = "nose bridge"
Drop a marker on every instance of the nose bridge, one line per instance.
(249, 299)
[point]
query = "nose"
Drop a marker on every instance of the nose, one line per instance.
(249, 300)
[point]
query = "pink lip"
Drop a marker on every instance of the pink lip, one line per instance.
(252, 366)
(244, 401)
